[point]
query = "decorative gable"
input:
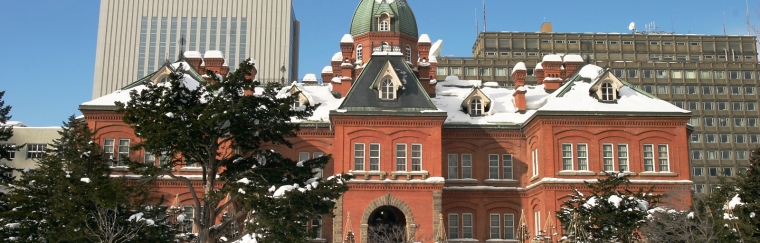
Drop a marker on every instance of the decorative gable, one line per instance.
(476, 103)
(387, 83)
(301, 100)
(162, 75)
(606, 88)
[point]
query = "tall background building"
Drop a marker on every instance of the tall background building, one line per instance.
(135, 37)
(714, 76)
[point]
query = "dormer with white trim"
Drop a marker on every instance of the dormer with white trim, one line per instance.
(387, 83)
(477, 103)
(607, 88)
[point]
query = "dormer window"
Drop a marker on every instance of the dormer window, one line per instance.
(608, 93)
(476, 107)
(408, 53)
(384, 22)
(387, 90)
(296, 104)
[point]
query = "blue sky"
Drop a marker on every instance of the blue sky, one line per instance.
(48, 46)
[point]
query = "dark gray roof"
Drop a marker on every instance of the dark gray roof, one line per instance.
(411, 98)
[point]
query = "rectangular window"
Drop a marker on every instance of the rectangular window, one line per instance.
(495, 226)
(736, 90)
(750, 106)
(10, 150)
(466, 166)
(719, 74)
(697, 171)
(633, 73)
(741, 155)
(374, 157)
(712, 171)
(692, 105)
(416, 157)
(35, 151)
(667, 57)
(648, 157)
(690, 74)
(453, 166)
(440, 71)
(695, 138)
(738, 122)
(485, 72)
(303, 156)
(123, 151)
(622, 157)
(708, 106)
(681, 57)
(470, 71)
(678, 90)
(582, 156)
(493, 166)
(400, 157)
(662, 89)
(509, 226)
(694, 121)
(654, 57)
(722, 121)
(749, 90)
(567, 156)
(737, 106)
(722, 105)
(711, 138)
(747, 74)
(754, 138)
(691, 89)
(501, 72)
(108, 148)
(721, 90)
(507, 166)
(752, 122)
(696, 154)
(534, 161)
(663, 157)
(712, 154)
(187, 225)
(699, 188)
(709, 122)
(648, 73)
(662, 73)
(648, 88)
(467, 226)
(318, 173)
(453, 226)
(705, 75)
(454, 71)
(728, 171)
(740, 138)
(733, 74)
(149, 158)
(707, 90)
(607, 157)
(676, 74)
(359, 156)
(725, 154)
(725, 138)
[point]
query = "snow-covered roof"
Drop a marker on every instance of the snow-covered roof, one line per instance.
(337, 57)
(122, 95)
(573, 58)
(327, 69)
(424, 38)
(310, 77)
(14, 124)
(347, 38)
(552, 58)
(213, 54)
(192, 54)
(538, 66)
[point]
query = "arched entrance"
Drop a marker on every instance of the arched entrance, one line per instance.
(387, 224)
(387, 216)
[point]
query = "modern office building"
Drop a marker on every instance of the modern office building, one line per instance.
(714, 76)
(135, 37)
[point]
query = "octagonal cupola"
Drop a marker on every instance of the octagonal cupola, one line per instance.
(384, 16)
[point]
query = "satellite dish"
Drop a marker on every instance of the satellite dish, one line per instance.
(632, 26)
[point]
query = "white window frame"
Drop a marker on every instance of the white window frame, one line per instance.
(648, 157)
(468, 231)
(567, 156)
(401, 157)
(534, 159)
(453, 221)
(109, 148)
(622, 155)
(387, 90)
(374, 160)
(359, 156)
(663, 157)
(507, 167)
(608, 157)
(466, 166)
(494, 229)
(453, 165)
(493, 166)
(476, 107)
(582, 156)
(416, 157)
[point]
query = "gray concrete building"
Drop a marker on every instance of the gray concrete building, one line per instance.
(135, 37)
(31, 142)
(714, 76)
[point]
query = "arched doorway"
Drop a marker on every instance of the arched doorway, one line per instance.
(386, 224)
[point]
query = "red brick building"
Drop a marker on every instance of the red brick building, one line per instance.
(456, 158)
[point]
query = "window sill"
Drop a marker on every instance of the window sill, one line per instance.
(500, 181)
(576, 173)
(651, 173)
(461, 240)
(501, 240)
(367, 175)
(462, 180)
(119, 168)
(410, 174)
(628, 173)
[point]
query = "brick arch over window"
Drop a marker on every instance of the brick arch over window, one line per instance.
(387, 200)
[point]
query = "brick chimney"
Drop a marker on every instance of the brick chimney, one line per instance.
(539, 72)
(518, 76)
(194, 59)
(423, 47)
(346, 65)
(552, 65)
(327, 74)
(214, 61)
(572, 62)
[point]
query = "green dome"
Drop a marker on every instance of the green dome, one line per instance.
(364, 20)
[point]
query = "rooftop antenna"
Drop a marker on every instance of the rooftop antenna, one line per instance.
(477, 23)
(484, 16)
(747, 13)
(724, 23)
(632, 27)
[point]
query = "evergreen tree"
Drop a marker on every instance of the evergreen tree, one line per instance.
(218, 128)
(748, 185)
(611, 212)
(6, 132)
(60, 200)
